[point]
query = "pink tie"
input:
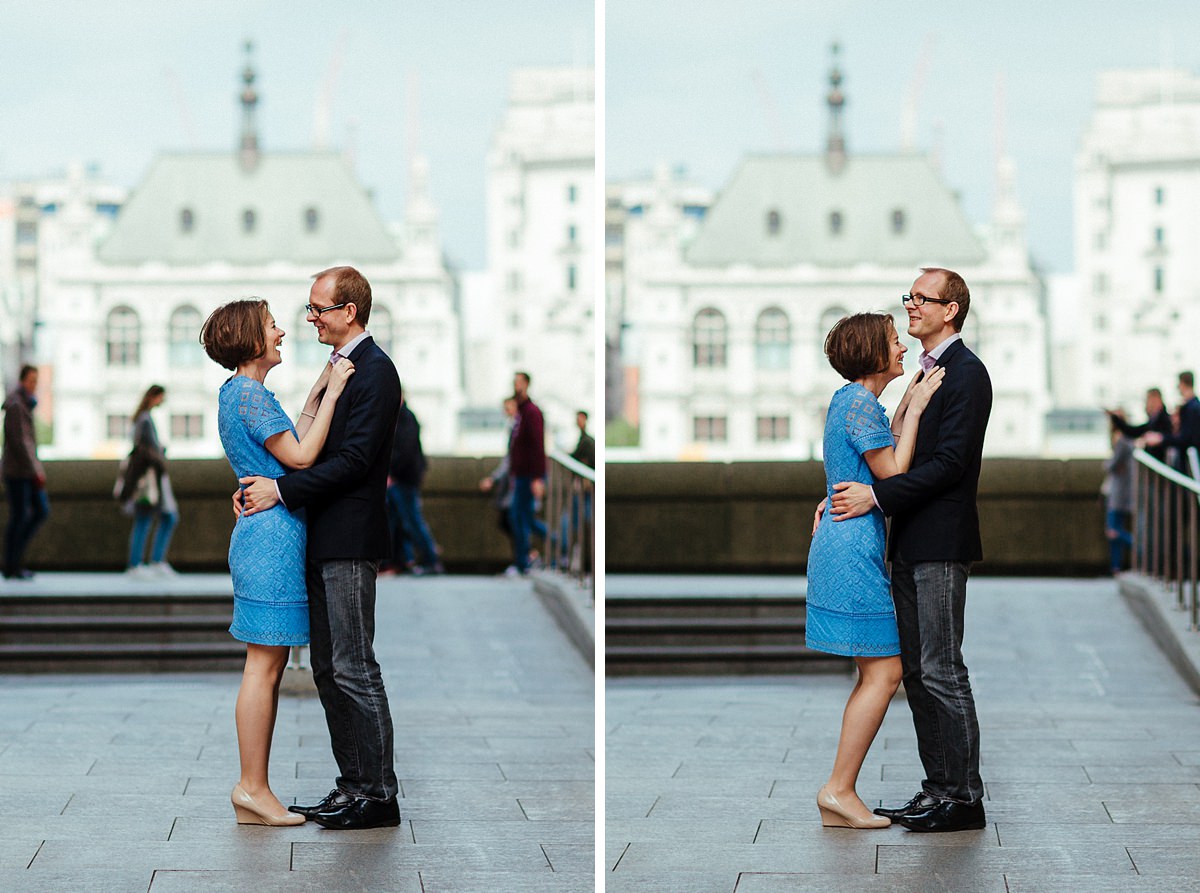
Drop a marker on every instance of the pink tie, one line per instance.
(927, 362)
(334, 357)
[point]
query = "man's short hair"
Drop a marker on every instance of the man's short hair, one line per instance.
(954, 289)
(1187, 380)
(524, 375)
(582, 412)
(25, 370)
(235, 333)
(860, 345)
(350, 287)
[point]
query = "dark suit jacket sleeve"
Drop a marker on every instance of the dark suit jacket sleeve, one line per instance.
(1127, 429)
(1189, 428)
(961, 428)
(368, 427)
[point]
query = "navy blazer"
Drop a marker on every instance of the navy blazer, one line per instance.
(933, 507)
(344, 492)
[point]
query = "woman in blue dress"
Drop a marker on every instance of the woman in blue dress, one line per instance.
(849, 600)
(266, 551)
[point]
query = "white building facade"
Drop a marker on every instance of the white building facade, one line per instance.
(541, 248)
(726, 329)
(206, 228)
(1137, 244)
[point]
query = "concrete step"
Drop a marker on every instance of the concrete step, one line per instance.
(678, 630)
(78, 628)
(113, 657)
(94, 605)
(705, 606)
(715, 660)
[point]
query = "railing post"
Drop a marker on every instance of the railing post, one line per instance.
(1192, 541)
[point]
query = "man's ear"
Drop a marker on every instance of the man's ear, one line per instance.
(352, 309)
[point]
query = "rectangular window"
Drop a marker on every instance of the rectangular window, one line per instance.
(1159, 195)
(571, 234)
(708, 429)
(572, 194)
(570, 277)
(1158, 279)
(118, 427)
(774, 428)
(1158, 236)
(187, 427)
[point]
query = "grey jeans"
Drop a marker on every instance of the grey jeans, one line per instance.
(931, 598)
(341, 607)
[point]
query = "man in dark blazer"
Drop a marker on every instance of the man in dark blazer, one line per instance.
(343, 494)
(934, 538)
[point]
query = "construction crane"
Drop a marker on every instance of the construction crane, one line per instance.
(908, 115)
(323, 108)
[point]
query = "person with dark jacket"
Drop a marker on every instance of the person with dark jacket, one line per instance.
(147, 493)
(527, 468)
(1158, 420)
(344, 495)
(411, 536)
(1188, 435)
(24, 477)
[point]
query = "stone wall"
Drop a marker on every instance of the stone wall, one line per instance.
(1038, 517)
(87, 531)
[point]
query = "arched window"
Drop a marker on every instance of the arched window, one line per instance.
(249, 220)
(183, 336)
(774, 222)
(312, 220)
(381, 328)
(187, 220)
(898, 221)
(772, 339)
(828, 319)
(709, 336)
(123, 337)
(835, 223)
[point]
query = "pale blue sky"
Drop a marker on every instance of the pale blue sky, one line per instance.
(86, 81)
(681, 85)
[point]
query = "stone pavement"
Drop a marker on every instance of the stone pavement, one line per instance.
(1090, 755)
(121, 783)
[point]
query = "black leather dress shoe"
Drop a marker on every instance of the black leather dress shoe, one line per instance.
(919, 803)
(332, 800)
(946, 816)
(360, 813)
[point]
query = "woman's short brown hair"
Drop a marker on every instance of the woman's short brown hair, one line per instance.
(235, 333)
(860, 345)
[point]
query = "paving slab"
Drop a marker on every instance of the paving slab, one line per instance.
(1088, 754)
(124, 779)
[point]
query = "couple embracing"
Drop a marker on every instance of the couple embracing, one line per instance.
(311, 528)
(922, 471)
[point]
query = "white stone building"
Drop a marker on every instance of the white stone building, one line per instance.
(725, 330)
(1137, 243)
(541, 249)
(205, 228)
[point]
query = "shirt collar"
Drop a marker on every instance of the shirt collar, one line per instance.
(348, 349)
(937, 352)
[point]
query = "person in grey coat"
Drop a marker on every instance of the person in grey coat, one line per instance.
(1118, 497)
(24, 477)
(147, 493)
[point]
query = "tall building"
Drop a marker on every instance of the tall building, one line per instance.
(541, 246)
(203, 228)
(1137, 246)
(724, 330)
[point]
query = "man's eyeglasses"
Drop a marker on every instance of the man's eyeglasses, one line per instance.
(918, 300)
(317, 311)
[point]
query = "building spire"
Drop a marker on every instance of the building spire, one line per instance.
(248, 154)
(835, 149)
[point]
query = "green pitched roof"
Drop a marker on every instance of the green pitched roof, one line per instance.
(867, 192)
(218, 192)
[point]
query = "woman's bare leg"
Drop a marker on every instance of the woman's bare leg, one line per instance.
(878, 679)
(257, 705)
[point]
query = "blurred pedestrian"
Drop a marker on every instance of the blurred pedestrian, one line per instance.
(1186, 435)
(499, 483)
(147, 494)
(1118, 497)
(24, 477)
(1157, 420)
(411, 536)
(580, 510)
(527, 466)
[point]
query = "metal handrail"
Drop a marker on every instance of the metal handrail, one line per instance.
(1165, 546)
(570, 519)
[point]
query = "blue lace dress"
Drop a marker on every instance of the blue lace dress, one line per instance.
(850, 609)
(266, 551)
